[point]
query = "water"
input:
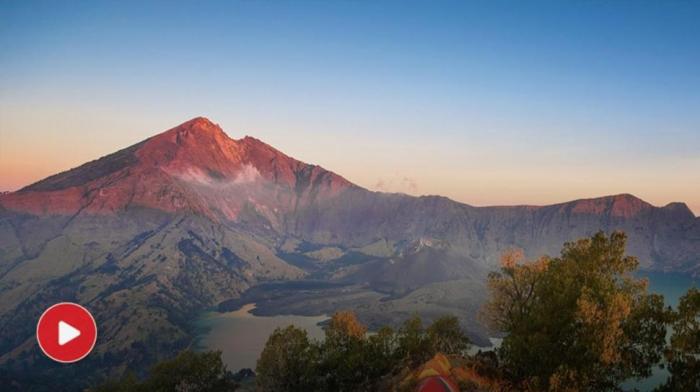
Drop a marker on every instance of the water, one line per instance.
(495, 344)
(241, 336)
(670, 284)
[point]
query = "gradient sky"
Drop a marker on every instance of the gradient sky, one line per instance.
(485, 102)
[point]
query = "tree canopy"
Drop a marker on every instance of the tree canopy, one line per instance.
(187, 372)
(580, 321)
(350, 359)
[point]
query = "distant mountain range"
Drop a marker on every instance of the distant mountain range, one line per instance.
(191, 219)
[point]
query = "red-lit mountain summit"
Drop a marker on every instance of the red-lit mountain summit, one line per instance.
(193, 167)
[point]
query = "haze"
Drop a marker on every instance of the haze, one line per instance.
(487, 102)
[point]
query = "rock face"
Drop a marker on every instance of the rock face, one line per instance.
(152, 234)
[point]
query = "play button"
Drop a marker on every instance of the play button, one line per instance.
(66, 332)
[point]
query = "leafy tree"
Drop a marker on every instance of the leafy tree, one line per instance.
(383, 344)
(645, 329)
(446, 336)
(344, 326)
(343, 359)
(683, 354)
(191, 372)
(577, 322)
(288, 362)
(381, 353)
(414, 346)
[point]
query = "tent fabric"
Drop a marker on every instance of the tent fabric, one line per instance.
(437, 384)
(438, 366)
(435, 376)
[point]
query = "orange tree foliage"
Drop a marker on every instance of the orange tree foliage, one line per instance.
(580, 321)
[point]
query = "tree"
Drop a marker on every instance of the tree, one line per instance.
(191, 372)
(683, 355)
(288, 362)
(446, 336)
(381, 353)
(343, 358)
(414, 346)
(188, 372)
(580, 321)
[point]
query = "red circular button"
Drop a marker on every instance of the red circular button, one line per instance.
(66, 332)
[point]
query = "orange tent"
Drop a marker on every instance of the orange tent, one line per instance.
(435, 376)
(437, 384)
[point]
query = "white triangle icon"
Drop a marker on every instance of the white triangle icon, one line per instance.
(66, 333)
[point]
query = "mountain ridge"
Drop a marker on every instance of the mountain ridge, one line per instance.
(154, 234)
(197, 168)
(161, 150)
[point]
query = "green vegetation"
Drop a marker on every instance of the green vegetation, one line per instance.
(683, 355)
(287, 361)
(189, 371)
(349, 359)
(578, 322)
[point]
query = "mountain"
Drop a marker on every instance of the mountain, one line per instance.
(193, 168)
(190, 219)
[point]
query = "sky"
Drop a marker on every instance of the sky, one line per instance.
(486, 102)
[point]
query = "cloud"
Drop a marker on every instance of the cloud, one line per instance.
(409, 183)
(381, 185)
(193, 174)
(402, 184)
(248, 174)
